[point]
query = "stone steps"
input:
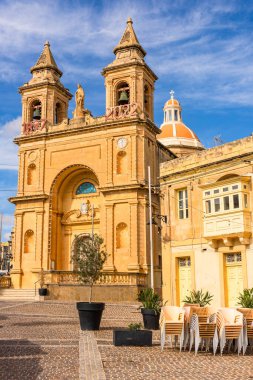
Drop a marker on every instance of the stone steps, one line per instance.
(17, 294)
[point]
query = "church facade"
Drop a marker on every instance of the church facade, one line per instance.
(88, 175)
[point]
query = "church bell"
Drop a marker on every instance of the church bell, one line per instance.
(123, 98)
(36, 114)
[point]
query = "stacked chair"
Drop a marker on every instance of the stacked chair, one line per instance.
(230, 327)
(248, 327)
(188, 312)
(172, 324)
(203, 328)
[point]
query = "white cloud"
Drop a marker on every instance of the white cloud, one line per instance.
(9, 156)
(198, 46)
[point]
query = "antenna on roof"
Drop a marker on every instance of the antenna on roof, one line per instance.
(217, 140)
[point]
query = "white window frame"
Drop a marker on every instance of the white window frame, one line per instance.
(183, 204)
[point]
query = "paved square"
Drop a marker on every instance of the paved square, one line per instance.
(42, 340)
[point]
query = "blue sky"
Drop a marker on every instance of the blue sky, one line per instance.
(201, 49)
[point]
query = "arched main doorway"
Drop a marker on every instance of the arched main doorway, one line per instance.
(75, 210)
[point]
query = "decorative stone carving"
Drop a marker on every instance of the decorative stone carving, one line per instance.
(121, 112)
(34, 126)
(79, 217)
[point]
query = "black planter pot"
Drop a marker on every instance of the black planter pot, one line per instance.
(42, 291)
(150, 319)
(90, 314)
(124, 337)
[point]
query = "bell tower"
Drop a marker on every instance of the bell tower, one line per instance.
(44, 97)
(128, 79)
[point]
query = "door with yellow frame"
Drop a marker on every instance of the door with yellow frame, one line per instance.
(184, 278)
(233, 278)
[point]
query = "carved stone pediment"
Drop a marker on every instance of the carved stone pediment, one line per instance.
(76, 217)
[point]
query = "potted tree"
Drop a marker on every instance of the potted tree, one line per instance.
(151, 308)
(199, 297)
(133, 336)
(88, 258)
(43, 288)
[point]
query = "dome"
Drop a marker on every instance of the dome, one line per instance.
(174, 133)
(172, 102)
(177, 129)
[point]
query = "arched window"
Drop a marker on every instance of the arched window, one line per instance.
(58, 117)
(86, 188)
(29, 242)
(35, 110)
(31, 174)
(122, 163)
(122, 94)
(121, 235)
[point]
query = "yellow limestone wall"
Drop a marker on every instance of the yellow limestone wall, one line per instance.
(186, 237)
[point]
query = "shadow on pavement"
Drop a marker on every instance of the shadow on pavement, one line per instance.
(20, 359)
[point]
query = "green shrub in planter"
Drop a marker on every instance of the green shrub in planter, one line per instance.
(245, 298)
(151, 308)
(199, 297)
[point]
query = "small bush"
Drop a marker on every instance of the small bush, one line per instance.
(135, 326)
(245, 298)
(199, 297)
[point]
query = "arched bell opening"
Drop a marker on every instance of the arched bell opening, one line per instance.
(75, 205)
(35, 110)
(58, 113)
(122, 94)
(147, 100)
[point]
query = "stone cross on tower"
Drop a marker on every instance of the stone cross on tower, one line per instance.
(172, 94)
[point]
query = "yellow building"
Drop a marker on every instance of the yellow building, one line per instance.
(88, 173)
(206, 243)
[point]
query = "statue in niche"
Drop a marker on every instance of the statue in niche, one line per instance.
(79, 97)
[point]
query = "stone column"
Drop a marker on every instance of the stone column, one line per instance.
(21, 174)
(109, 149)
(133, 159)
(40, 259)
(16, 272)
(41, 169)
(134, 264)
(109, 211)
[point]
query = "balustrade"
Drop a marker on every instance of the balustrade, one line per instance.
(71, 278)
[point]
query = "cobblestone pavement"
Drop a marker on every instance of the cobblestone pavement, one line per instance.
(149, 363)
(42, 340)
(38, 341)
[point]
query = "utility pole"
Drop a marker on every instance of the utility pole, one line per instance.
(150, 231)
(1, 247)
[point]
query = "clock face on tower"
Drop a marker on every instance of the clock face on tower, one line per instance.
(122, 142)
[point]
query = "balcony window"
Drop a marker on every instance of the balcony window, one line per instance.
(217, 204)
(226, 203)
(208, 207)
(236, 200)
(183, 204)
